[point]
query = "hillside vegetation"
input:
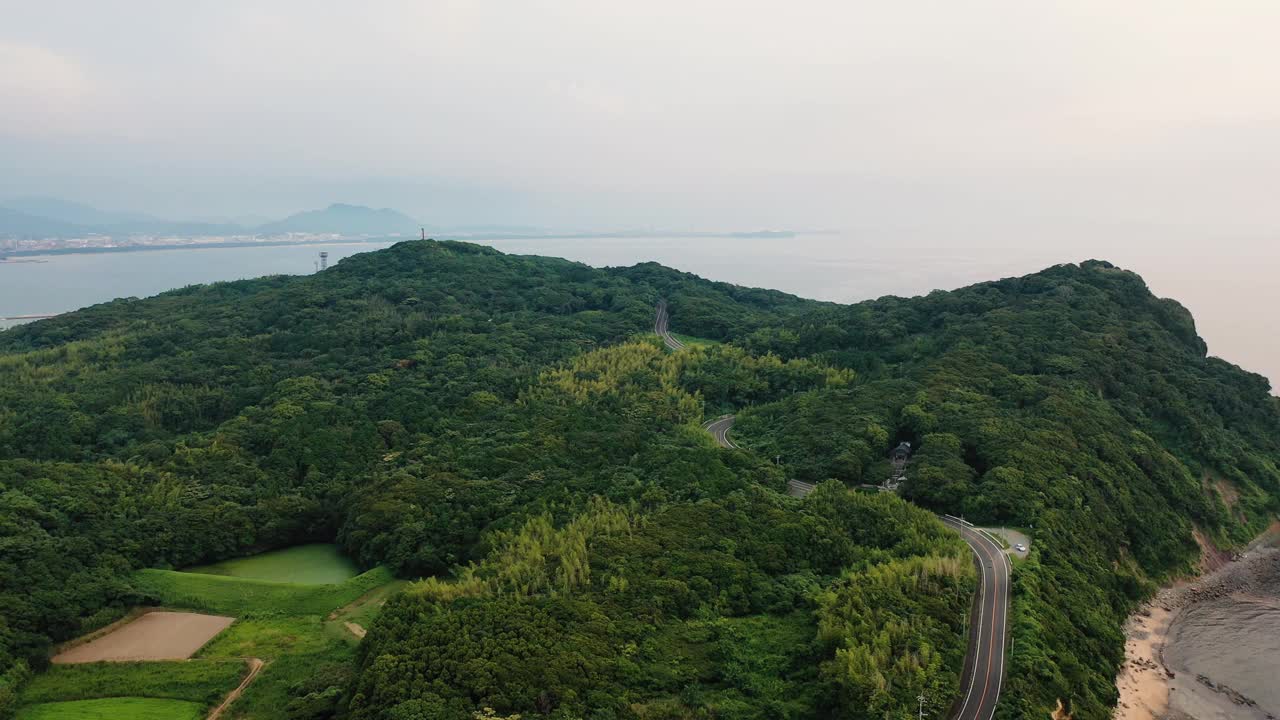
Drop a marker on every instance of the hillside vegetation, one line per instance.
(1072, 402)
(502, 427)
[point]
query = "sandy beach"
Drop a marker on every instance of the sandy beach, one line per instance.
(1144, 681)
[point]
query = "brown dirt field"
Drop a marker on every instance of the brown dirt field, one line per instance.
(154, 636)
(128, 617)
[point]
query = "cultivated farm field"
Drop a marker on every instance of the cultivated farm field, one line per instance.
(298, 633)
(297, 628)
(153, 636)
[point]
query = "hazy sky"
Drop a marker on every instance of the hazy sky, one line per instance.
(947, 119)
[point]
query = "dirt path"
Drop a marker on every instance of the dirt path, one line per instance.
(255, 667)
(360, 611)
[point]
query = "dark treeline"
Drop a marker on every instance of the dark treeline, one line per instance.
(493, 423)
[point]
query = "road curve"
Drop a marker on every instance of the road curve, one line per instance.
(719, 429)
(983, 675)
(661, 327)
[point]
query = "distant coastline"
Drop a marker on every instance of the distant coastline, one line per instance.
(9, 255)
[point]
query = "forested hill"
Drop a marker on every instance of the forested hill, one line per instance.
(107, 380)
(505, 426)
(1071, 401)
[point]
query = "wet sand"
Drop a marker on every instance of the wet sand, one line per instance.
(1201, 650)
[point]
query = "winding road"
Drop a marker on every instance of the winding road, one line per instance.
(661, 327)
(983, 674)
(982, 677)
(719, 429)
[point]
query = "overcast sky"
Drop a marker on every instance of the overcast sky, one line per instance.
(669, 113)
(1146, 132)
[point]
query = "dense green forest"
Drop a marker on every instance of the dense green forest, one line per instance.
(503, 428)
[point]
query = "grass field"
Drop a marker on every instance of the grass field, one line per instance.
(246, 597)
(203, 682)
(318, 564)
(296, 649)
(363, 610)
(121, 708)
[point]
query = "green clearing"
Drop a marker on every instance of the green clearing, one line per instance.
(200, 681)
(365, 608)
(120, 708)
(299, 654)
(246, 597)
(316, 564)
(692, 341)
(297, 629)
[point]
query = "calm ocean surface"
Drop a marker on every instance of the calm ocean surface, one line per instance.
(1232, 641)
(1231, 293)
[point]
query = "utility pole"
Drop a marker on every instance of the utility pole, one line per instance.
(921, 699)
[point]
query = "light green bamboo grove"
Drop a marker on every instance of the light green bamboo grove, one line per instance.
(890, 640)
(607, 374)
(698, 378)
(537, 558)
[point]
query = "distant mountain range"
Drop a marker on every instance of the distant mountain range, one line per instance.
(38, 217)
(345, 219)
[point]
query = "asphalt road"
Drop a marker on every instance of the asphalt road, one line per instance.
(983, 674)
(661, 326)
(719, 429)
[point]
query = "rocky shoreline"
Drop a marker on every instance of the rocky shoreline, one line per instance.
(1155, 683)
